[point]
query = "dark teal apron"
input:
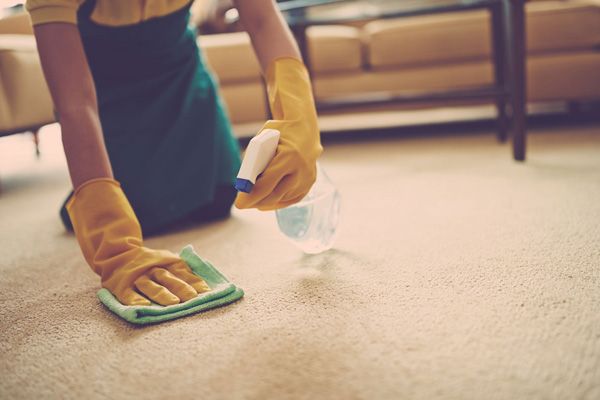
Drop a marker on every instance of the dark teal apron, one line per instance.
(167, 135)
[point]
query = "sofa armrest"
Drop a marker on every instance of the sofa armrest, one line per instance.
(25, 101)
(16, 24)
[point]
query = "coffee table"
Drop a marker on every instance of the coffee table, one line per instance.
(508, 91)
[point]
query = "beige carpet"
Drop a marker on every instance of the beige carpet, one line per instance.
(458, 274)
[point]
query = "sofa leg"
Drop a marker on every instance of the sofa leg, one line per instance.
(36, 141)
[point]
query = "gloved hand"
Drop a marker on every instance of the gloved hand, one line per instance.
(293, 170)
(110, 237)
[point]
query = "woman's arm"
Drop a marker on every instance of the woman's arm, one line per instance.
(270, 35)
(107, 229)
(293, 170)
(72, 88)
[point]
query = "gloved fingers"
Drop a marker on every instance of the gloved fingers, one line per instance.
(272, 201)
(288, 202)
(175, 285)
(299, 191)
(130, 298)
(183, 272)
(155, 292)
(293, 193)
(264, 186)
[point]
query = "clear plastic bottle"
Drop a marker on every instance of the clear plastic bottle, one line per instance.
(312, 223)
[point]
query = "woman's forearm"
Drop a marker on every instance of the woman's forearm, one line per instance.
(270, 35)
(73, 93)
(84, 145)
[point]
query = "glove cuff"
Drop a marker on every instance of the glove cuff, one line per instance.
(287, 62)
(101, 214)
(90, 182)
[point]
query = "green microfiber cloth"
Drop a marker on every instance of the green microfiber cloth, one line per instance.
(223, 292)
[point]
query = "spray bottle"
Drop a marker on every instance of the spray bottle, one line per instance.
(311, 224)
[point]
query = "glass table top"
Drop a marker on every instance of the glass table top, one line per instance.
(315, 12)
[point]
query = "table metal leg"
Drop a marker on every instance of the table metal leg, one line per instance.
(515, 24)
(499, 60)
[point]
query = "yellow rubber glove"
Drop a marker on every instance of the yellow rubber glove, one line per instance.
(110, 237)
(292, 171)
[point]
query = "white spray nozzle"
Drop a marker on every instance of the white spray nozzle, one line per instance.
(259, 152)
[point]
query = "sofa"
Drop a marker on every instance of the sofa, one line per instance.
(25, 103)
(447, 51)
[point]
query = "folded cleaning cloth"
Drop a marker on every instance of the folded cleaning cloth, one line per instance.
(222, 292)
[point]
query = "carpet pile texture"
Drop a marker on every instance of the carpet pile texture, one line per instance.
(458, 274)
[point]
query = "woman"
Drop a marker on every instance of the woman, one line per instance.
(142, 123)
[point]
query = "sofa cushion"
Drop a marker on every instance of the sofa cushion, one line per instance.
(404, 80)
(564, 76)
(427, 39)
(560, 76)
(334, 48)
(461, 37)
(16, 24)
(230, 56)
(245, 102)
(24, 97)
(554, 26)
